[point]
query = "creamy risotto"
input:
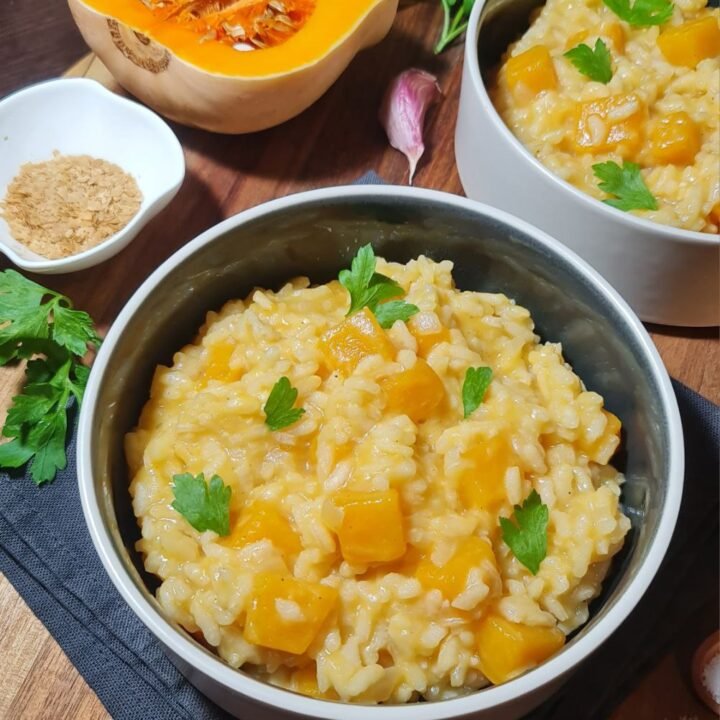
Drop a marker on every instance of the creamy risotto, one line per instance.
(364, 559)
(660, 109)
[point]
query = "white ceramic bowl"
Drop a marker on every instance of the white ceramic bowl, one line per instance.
(316, 234)
(667, 275)
(81, 117)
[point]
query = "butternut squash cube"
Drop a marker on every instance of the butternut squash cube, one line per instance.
(355, 338)
(218, 362)
(372, 528)
(416, 392)
(675, 139)
(714, 216)
(482, 485)
(507, 649)
(286, 613)
(263, 521)
(427, 331)
(531, 72)
(614, 32)
(597, 450)
(691, 42)
(304, 680)
(611, 124)
(451, 578)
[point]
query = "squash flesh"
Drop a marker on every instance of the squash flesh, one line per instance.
(263, 521)
(507, 649)
(675, 139)
(531, 72)
(482, 485)
(612, 124)
(330, 22)
(690, 43)
(286, 613)
(416, 392)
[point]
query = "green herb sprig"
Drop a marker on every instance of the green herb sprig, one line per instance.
(595, 64)
(371, 289)
(642, 13)
(456, 14)
(278, 409)
(477, 381)
(206, 506)
(41, 326)
(626, 184)
(526, 532)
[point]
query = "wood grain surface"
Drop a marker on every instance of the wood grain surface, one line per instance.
(332, 143)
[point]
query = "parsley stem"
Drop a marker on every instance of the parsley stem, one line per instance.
(451, 29)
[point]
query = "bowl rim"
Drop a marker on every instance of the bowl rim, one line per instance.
(144, 215)
(472, 60)
(213, 666)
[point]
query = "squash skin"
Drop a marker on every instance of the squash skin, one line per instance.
(223, 103)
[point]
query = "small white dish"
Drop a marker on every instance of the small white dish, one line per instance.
(81, 117)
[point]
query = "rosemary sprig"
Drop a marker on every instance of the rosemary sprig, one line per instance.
(455, 22)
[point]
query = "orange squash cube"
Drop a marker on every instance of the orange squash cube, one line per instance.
(675, 139)
(507, 649)
(416, 392)
(218, 362)
(531, 72)
(428, 332)
(372, 528)
(355, 338)
(611, 124)
(614, 32)
(482, 485)
(714, 216)
(691, 42)
(451, 578)
(263, 521)
(287, 614)
(575, 39)
(304, 681)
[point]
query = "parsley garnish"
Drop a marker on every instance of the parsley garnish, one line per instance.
(369, 289)
(595, 64)
(205, 506)
(455, 24)
(477, 381)
(626, 184)
(527, 535)
(279, 410)
(642, 12)
(41, 324)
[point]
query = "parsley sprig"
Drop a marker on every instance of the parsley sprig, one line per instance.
(626, 184)
(477, 381)
(206, 506)
(371, 289)
(41, 326)
(595, 64)
(456, 14)
(279, 410)
(642, 13)
(526, 532)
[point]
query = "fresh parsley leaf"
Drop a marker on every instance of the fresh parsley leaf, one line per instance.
(35, 321)
(595, 64)
(477, 381)
(456, 15)
(388, 312)
(527, 535)
(205, 506)
(626, 184)
(279, 410)
(642, 12)
(366, 287)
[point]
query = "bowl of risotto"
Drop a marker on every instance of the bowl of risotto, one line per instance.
(597, 121)
(372, 453)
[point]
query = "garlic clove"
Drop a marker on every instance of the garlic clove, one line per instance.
(403, 110)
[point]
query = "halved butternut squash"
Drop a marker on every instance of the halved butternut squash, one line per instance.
(231, 66)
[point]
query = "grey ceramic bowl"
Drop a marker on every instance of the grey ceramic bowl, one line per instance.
(316, 234)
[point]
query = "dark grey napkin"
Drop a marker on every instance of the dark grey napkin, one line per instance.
(47, 554)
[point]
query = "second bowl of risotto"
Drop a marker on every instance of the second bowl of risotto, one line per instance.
(406, 448)
(597, 121)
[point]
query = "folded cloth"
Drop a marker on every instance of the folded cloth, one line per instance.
(47, 554)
